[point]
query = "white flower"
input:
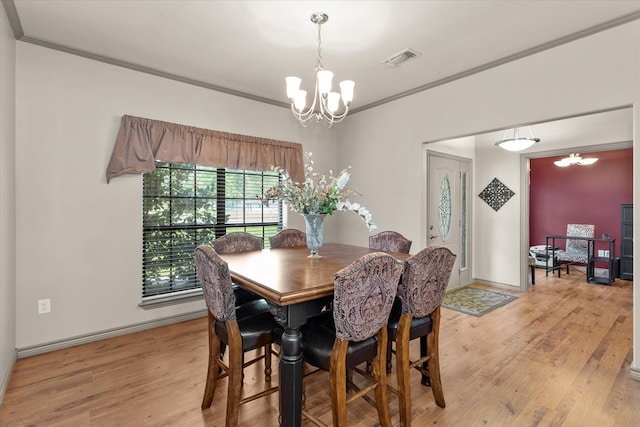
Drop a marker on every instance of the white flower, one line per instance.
(342, 181)
(317, 194)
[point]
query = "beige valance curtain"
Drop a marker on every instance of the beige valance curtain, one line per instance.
(142, 141)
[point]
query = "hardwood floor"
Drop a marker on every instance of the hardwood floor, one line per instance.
(557, 356)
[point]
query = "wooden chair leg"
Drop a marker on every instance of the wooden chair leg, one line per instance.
(338, 379)
(389, 351)
(235, 373)
(425, 380)
(267, 362)
(434, 359)
(380, 376)
(402, 369)
(213, 370)
(533, 274)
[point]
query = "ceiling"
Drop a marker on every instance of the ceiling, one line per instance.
(248, 47)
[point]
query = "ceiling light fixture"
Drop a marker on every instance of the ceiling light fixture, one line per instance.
(575, 159)
(517, 142)
(325, 103)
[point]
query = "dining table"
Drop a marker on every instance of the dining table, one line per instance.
(296, 288)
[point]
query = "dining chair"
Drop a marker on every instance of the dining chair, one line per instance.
(242, 328)
(532, 267)
(239, 241)
(576, 250)
(287, 238)
(416, 314)
(353, 332)
(390, 241)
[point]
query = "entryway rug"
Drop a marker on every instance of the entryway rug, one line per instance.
(475, 301)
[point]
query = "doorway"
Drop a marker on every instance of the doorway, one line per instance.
(448, 211)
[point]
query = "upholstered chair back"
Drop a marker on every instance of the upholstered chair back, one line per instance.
(287, 238)
(391, 241)
(424, 280)
(216, 283)
(238, 241)
(363, 295)
(579, 230)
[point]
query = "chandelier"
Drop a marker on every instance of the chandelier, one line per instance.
(575, 159)
(516, 142)
(325, 103)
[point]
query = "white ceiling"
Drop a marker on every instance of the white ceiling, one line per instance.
(248, 47)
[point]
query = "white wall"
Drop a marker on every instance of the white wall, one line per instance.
(595, 73)
(7, 203)
(79, 239)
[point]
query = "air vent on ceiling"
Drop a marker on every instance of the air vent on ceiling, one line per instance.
(401, 57)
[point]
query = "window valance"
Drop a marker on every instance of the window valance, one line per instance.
(141, 142)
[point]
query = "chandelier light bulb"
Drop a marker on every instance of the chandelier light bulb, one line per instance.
(333, 102)
(324, 81)
(346, 87)
(300, 100)
(293, 86)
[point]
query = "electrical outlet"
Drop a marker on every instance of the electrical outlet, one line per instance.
(44, 306)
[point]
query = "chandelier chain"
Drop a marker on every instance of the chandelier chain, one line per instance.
(319, 65)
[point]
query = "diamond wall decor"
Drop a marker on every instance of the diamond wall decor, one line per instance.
(496, 194)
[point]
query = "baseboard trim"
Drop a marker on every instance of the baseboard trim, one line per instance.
(496, 285)
(634, 374)
(7, 375)
(110, 333)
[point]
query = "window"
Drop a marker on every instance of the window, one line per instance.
(186, 205)
(444, 208)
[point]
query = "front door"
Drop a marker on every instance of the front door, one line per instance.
(448, 215)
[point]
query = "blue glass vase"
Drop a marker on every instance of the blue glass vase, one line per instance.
(314, 229)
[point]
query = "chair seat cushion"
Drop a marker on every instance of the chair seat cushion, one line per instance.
(255, 322)
(318, 336)
(420, 326)
(573, 256)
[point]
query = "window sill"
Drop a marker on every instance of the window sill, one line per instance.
(173, 299)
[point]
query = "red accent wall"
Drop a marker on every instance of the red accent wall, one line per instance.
(580, 195)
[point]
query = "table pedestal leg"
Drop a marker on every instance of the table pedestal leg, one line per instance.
(291, 364)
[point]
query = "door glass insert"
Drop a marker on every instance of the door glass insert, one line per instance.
(463, 222)
(444, 208)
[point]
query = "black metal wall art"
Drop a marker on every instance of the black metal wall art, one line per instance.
(496, 194)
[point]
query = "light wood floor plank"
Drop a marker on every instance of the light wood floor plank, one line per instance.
(557, 356)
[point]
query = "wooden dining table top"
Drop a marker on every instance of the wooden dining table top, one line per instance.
(288, 276)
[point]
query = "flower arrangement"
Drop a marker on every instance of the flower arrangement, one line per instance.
(318, 194)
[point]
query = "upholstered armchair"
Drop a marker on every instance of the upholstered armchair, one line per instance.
(416, 314)
(576, 250)
(391, 241)
(239, 241)
(287, 238)
(241, 327)
(355, 331)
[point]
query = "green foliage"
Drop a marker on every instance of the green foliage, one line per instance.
(181, 210)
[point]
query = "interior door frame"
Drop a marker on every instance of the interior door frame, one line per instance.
(525, 170)
(424, 231)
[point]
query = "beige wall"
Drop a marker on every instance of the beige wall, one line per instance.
(79, 239)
